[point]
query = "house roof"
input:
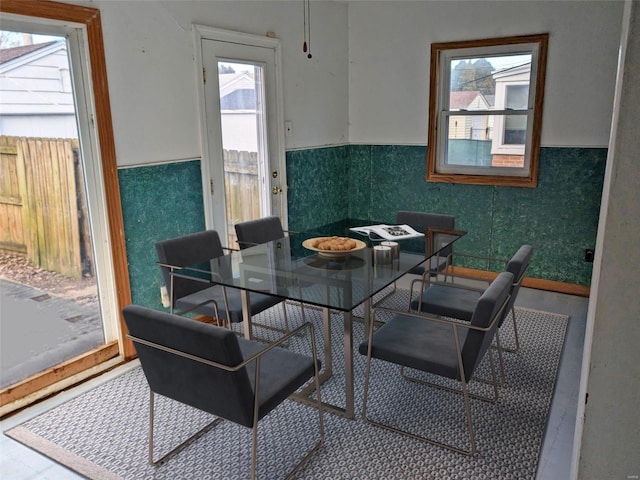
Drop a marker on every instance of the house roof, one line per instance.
(459, 100)
(7, 54)
(462, 100)
(230, 82)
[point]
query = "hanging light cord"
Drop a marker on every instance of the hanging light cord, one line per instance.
(306, 10)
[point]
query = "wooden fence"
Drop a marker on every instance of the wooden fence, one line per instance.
(241, 189)
(43, 208)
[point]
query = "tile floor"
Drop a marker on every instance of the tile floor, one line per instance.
(21, 463)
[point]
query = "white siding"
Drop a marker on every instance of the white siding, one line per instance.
(36, 97)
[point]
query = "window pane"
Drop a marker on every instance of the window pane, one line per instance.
(515, 130)
(477, 78)
(470, 141)
(476, 127)
(483, 125)
(463, 152)
(517, 97)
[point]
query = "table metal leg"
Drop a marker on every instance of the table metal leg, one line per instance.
(246, 314)
(366, 316)
(303, 396)
(326, 332)
(348, 364)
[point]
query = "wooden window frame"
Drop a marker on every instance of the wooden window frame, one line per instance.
(435, 91)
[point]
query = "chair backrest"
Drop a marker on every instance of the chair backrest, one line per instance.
(518, 265)
(208, 388)
(255, 232)
(187, 250)
(427, 220)
(488, 306)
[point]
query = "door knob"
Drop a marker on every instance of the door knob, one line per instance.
(276, 190)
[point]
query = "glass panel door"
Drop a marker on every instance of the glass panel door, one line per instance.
(243, 170)
(49, 305)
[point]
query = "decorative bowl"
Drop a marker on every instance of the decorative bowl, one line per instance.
(308, 244)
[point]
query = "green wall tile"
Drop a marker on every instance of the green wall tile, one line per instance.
(158, 202)
(318, 182)
(559, 217)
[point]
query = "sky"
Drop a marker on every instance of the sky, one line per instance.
(501, 63)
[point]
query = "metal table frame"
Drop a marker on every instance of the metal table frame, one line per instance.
(258, 260)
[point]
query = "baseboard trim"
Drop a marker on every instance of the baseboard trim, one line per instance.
(530, 282)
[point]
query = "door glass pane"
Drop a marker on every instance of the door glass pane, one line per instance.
(49, 304)
(243, 142)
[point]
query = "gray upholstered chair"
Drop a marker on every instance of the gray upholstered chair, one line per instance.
(457, 300)
(441, 261)
(210, 368)
(256, 232)
(259, 231)
(443, 347)
(188, 295)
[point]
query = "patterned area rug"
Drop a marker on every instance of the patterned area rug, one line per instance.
(102, 434)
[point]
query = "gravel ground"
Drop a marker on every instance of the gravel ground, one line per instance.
(17, 268)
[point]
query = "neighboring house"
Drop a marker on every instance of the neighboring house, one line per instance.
(468, 127)
(36, 98)
(512, 92)
(238, 111)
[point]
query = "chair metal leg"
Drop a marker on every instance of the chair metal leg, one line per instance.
(179, 447)
(500, 348)
(464, 392)
(284, 330)
(515, 333)
(492, 381)
(254, 430)
(467, 407)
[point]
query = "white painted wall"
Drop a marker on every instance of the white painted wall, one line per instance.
(389, 54)
(611, 366)
(368, 79)
(150, 65)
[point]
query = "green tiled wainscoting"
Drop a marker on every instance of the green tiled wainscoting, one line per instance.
(158, 202)
(319, 183)
(559, 217)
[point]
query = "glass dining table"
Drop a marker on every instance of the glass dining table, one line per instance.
(332, 283)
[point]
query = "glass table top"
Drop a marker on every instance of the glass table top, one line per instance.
(285, 268)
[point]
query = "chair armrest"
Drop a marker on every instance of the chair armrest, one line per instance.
(433, 318)
(191, 309)
(220, 365)
(280, 341)
(480, 257)
(452, 284)
(427, 282)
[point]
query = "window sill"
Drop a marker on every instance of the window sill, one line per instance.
(500, 181)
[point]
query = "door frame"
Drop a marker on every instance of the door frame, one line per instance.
(103, 147)
(200, 33)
